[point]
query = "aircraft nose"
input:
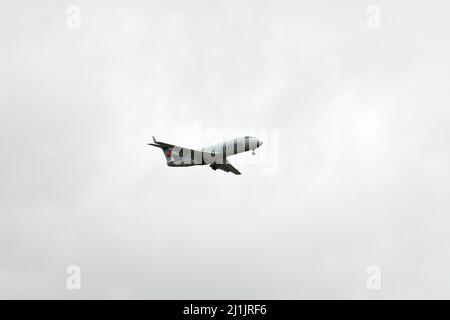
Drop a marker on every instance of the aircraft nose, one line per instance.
(260, 143)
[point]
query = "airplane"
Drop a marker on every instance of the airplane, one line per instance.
(215, 156)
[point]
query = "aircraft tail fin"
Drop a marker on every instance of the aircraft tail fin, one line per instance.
(165, 147)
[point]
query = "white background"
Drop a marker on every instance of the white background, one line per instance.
(363, 151)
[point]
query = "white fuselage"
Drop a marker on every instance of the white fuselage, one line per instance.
(178, 156)
(234, 146)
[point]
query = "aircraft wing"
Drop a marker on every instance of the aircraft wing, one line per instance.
(227, 167)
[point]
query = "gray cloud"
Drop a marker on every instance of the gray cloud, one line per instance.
(363, 159)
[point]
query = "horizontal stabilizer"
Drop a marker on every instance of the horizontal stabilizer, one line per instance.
(160, 144)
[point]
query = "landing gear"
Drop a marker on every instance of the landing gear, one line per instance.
(213, 166)
(253, 152)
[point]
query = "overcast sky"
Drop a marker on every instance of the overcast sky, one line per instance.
(355, 124)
